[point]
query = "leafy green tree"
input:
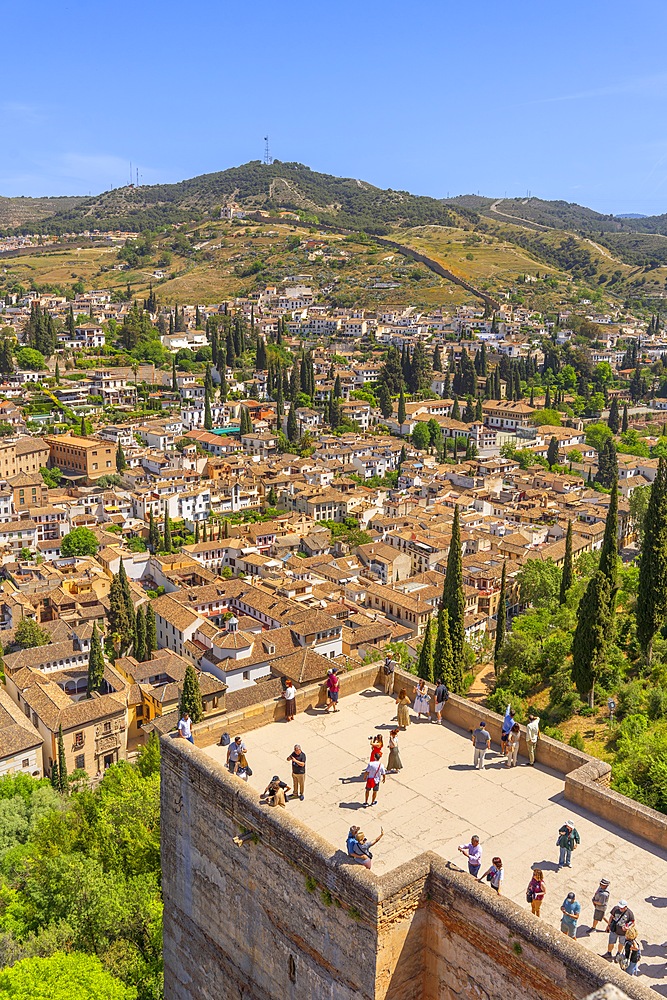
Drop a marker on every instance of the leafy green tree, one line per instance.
(425, 661)
(567, 575)
(539, 582)
(62, 977)
(29, 634)
(597, 434)
(140, 636)
(190, 700)
(590, 639)
(501, 618)
(420, 436)
(151, 633)
(80, 542)
(95, 663)
(148, 761)
(453, 601)
(652, 590)
(28, 357)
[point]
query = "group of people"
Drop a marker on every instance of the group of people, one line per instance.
(420, 701)
(510, 736)
(620, 924)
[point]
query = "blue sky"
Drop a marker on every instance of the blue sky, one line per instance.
(565, 100)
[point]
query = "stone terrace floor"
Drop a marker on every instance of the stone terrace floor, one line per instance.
(439, 800)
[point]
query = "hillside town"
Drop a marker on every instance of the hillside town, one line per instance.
(258, 490)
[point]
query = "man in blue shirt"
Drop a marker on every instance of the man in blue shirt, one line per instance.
(508, 722)
(570, 910)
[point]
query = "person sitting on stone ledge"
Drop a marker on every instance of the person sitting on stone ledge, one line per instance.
(359, 848)
(274, 793)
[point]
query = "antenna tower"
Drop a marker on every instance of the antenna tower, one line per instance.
(267, 154)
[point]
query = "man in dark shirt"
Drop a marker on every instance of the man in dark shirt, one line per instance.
(620, 918)
(298, 759)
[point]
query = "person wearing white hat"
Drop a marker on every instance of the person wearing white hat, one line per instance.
(568, 840)
(620, 919)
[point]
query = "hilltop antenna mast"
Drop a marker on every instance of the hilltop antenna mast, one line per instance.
(267, 154)
(130, 173)
(137, 176)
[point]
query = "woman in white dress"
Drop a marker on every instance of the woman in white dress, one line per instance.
(422, 705)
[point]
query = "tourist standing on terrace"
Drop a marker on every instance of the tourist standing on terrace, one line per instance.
(512, 744)
(570, 910)
(532, 736)
(298, 759)
(289, 694)
(473, 852)
(388, 674)
(441, 697)
(377, 747)
(494, 875)
(333, 689)
(422, 704)
(508, 722)
(185, 728)
(394, 763)
(568, 839)
(403, 713)
(536, 891)
(620, 920)
(481, 742)
(375, 773)
(600, 902)
(234, 751)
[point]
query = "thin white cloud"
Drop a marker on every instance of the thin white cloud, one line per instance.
(647, 86)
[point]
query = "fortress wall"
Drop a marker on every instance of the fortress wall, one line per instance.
(286, 916)
(308, 696)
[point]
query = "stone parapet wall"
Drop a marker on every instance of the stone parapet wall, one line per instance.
(285, 915)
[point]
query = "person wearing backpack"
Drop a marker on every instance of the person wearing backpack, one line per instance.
(621, 919)
(441, 698)
(388, 673)
(568, 839)
(631, 953)
(536, 891)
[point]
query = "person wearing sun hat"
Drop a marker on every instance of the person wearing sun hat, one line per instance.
(620, 919)
(600, 902)
(568, 840)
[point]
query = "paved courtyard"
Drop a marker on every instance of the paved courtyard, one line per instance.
(438, 801)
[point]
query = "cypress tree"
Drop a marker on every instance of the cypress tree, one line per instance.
(552, 452)
(567, 576)
(292, 429)
(607, 464)
(456, 409)
(652, 589)
(57, 373)
(589, 643)
(624, 422)
(437, 361)
(609, 553)
(453, 602)
(140, 636)
(208, 419)
(190, 700)
(196, 532)
(151, 633)
(118, 619)
(402, 457)
(153, 534)
(62, 762)
(121, 464)
(83, 427)
(55, 777)
(223, 385)
(425, 661)
(174, 379)
(442, 656)
(613, 420)
(401, 409)
(479, 415)
(127, 594)
(501, 618)
(260, 362)
(95, 663)
(166, 537)
(203, 529)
